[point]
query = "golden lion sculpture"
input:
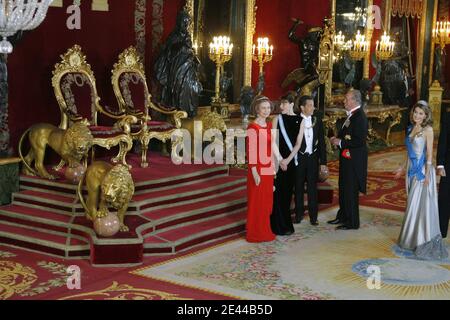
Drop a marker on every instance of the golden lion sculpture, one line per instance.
(72, 145)
(107, 186)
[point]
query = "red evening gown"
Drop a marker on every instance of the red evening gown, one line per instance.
(260, 198)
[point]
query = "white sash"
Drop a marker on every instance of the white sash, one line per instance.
(286, 137)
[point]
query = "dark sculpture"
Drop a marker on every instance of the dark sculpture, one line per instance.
(225, 84)
(309, 52)
(396, 83)
(177, 69)
(245, 100)
(308, 46)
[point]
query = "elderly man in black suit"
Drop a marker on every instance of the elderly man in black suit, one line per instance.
(443, 168)
(353, 154)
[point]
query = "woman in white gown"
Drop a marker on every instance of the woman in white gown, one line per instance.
(420, 230)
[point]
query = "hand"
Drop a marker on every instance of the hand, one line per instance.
(335, 141)
(257, 178)
(324, 168)
(441, 172)
(284, 165)
(427, 180)
(398, 173)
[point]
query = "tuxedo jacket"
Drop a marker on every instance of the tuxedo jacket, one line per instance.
(353, 135)
(318, 139)
(443, 151)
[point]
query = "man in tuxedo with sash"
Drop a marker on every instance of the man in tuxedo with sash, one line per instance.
(312, 153)
(353, 155)
(443, 169)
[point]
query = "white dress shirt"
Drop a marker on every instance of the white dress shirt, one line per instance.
(308, 133)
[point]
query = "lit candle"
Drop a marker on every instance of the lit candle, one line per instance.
(271, 50)
(253, 49)
(231, 49)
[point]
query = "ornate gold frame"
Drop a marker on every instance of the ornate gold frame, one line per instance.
(250, 27)
(130, 62)
(74, 61)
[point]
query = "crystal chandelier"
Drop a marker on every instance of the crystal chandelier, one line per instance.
(16, 15)
(385, 47)
(359, 47)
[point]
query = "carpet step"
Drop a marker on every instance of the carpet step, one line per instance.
(194, 210)
(70, 205)
(43, 240)
(187, 235)
(144, 179)
(62, 204)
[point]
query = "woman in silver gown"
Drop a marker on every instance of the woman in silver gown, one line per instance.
(420, 230)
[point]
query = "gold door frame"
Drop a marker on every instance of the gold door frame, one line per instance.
(250, 27)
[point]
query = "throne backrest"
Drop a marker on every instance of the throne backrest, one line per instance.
(74, 86)
(129, 82)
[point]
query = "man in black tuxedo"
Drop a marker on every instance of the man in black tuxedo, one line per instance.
(443, 166)
(353, 155)
(312, 153)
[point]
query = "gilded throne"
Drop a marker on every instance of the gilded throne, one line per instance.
(75, 90)
(134, 98)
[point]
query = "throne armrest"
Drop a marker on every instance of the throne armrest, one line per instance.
(111, 114)
(176, 114)
(125, 123)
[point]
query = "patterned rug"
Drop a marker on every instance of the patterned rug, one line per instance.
(314, 263)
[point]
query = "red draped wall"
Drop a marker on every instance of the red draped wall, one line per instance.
(273, 20)
(103, 36)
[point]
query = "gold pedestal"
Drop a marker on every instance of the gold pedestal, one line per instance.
(435, 102)
(221, 108)
(376, 97)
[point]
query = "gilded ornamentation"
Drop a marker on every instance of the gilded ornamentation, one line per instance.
(73, 68)
(107, 186)
(407, 8)
(15, 278)
(125, 292)
(139, 26)
(157, 22)
(249, 32)
(79, 79)
(128, 69)
(72, 145)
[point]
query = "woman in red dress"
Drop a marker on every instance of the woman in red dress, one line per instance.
(260, 173)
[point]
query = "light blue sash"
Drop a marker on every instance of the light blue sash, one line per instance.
(286, 137)
(416, 164)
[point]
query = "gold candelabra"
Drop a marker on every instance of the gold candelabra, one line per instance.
(220, 52)
(359, 47)
(262, 53)
(340, 45)
(385, 47)
(441, 33)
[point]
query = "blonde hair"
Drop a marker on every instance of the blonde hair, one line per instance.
(422, 104)
(257, 101)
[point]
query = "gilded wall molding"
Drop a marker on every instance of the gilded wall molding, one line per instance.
(157, 23)
(100, 5)
(250, 29)
(139, 27)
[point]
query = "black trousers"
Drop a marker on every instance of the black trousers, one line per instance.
(348, 194)
(444, 204)
(281, 221)
(307, 171)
